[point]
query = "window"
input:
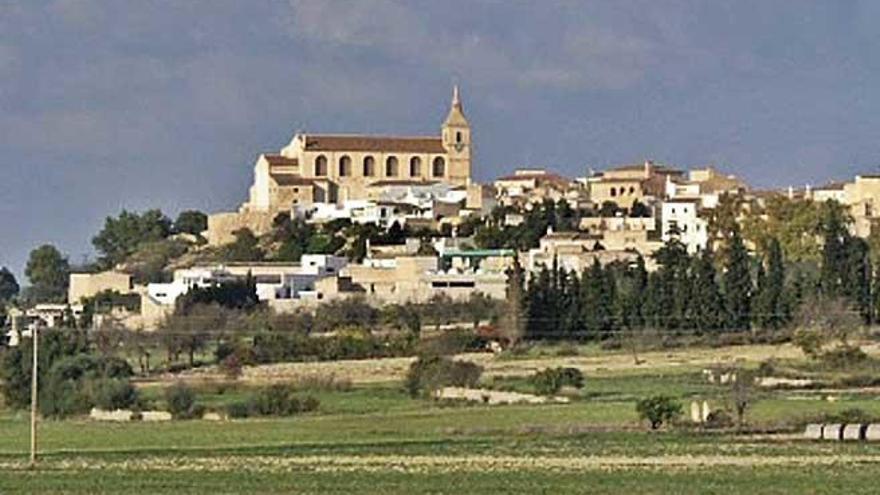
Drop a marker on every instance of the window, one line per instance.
(369, 166)
(321, 166)
(415, 166)
(439, 168)
(345, 166)
(458, 137)
(391, 166)
(613, 192)
(632, 190)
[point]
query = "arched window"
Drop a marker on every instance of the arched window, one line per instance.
(439, 167)
(369, 166)
(391, 166)
(345, 166)
(415, 166)
(632, 190)
(321, 166)
(458, 137)
(613, 192)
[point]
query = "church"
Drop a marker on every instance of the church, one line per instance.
(334, 168)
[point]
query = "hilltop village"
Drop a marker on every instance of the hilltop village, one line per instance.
(399, 219)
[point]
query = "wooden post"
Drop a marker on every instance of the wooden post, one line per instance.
(35, 338)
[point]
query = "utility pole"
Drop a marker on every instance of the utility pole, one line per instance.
(35, 338)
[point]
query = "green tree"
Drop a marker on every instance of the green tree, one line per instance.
(771, 309)
(121, 236)
(597, 303)
(191, 222)
(835, 238)
(737, 285)
(49, 273)
(856, 279)
(8, 285)
(658, 410)
(514, 320)
(244, 248)
(707, 301)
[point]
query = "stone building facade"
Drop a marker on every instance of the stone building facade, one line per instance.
(333, 168)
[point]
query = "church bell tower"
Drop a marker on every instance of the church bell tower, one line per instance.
(456, 134)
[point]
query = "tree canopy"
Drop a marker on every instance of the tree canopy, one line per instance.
(121, 236)
(49, 272)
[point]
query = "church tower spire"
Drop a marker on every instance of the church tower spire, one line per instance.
(456, 135)
(456, 117)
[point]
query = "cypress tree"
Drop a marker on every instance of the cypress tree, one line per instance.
(771, 310)
(707, 302)
(834, 237)
(537, 296)
(515, 319)
(737, 284)
(856, 280)
(597, 301)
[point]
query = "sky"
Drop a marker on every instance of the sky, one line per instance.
(111, 105)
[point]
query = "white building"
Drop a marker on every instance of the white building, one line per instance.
(273, 280)
(679, 217)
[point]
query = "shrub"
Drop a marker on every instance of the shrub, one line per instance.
(323, 383)
(658, 410)
(231, 367)
(843, 356)
(238, 410)
(181, 401)
(279, 400)
(719, 418)
(850, 416)
(551, 380)
(428, 374)
(110, 394)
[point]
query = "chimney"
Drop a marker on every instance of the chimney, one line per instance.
(648, 169)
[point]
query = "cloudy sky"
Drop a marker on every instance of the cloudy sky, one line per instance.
(111, 105)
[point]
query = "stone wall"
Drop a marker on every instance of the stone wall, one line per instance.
(222, 225)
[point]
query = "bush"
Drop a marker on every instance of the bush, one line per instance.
(238, 410)
(323, 383)
(75, 384)
(658, 410)
(850, 416)
(278, 400)
(844, 356)
(181, 401)
(551, 380)
(110, 394)
(719, 418)
(428, 374)
(231, 367)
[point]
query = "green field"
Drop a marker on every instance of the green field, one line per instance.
(376, 439)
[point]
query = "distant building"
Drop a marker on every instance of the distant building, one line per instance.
(86, 285)
(335, 168)
(680, 218)
(627, 184)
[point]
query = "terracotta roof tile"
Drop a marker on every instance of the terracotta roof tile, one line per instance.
(391, 144)
(280, 161)
(292, 180)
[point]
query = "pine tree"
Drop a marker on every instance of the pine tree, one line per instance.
(737, 284)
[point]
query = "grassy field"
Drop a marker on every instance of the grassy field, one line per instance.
(375, 439)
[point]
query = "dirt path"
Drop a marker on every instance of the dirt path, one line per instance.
(434, 464)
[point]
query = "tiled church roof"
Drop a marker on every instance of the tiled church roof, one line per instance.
(391, 144)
